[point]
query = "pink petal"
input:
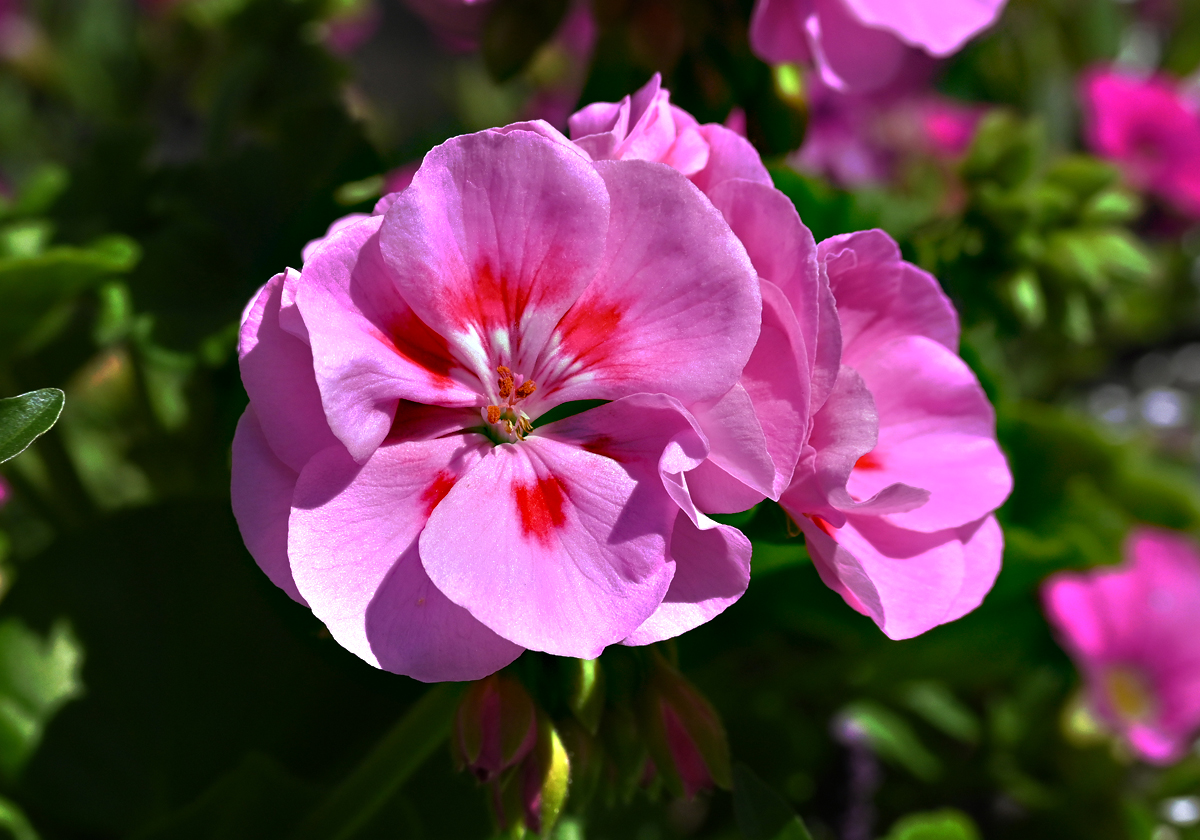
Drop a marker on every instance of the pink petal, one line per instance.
(937, 431)
(713, 490)
(336, 225)
(881, 297)
(907, 582)
(676, 306)
(712, 570)
(353, 545)
(783, 253)
(983, 551)
(730, 156)
(261, 494)
(689, 153)
(493, 241)
(277, 370)
(940, 27)
(560, 542)
(777, 30)
(843, 431)
(849, 55)
(736, 441)
(369, 349)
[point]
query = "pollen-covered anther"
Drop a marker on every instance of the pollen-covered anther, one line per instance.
(527, 388)
(493, 414)
(506, 382)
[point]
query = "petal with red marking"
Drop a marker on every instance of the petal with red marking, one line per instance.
(494, 240)
(560, 542)
(937, 431)
(676, 307)
(369, 348)
(353, 543)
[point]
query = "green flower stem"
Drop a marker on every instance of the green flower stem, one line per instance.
(371, 785)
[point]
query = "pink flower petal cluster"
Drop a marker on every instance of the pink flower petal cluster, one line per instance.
(1132, 631)
(395, 470)
(1150, 129)
(882, 441)
(864, 44)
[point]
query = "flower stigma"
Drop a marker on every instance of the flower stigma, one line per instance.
(507, 422)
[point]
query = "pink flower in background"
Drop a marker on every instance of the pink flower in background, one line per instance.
(1149, 129)
(1133, 631)
(352, 26)
(901, 471)
(390, 471)
(864, 44)
(861, 138)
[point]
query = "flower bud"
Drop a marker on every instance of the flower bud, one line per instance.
(684, 734)
(495, 727)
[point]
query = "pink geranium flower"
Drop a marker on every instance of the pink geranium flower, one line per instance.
(901, 471)
(391, 470)
(1149, 129)
(1132, 631)
(863, 44)
(894, 405)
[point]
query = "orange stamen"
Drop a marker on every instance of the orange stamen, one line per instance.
(506, 382)
(493, 414)
(527, 388)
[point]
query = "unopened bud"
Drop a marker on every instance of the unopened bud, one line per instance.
(495, 727)
(684, 734)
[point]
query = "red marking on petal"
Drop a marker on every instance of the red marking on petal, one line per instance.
(409, 337)
(540, 507)
(870, 461)
(437, 491)
(823, 525)
(588, 327)
(604, 446)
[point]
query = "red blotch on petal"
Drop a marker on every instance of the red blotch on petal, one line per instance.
(823, 525)
(540, 507)
(408, 336)
(588, 327)
(868, 462)
(437, 491)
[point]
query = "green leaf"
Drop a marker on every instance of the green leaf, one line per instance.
(587, 693)
(936, 703)
(946, 824)
(25, 418)
(37, 677)
(13, 820)
(34, 288)
(761, 813)
(892, 738)
(371, 785)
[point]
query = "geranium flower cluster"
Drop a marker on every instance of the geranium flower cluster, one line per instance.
(497, 413)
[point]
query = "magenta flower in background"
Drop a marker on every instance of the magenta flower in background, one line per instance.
(864, 44)
(1132, 632)
(901, 471)
(1150, 129)
(390, 471)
